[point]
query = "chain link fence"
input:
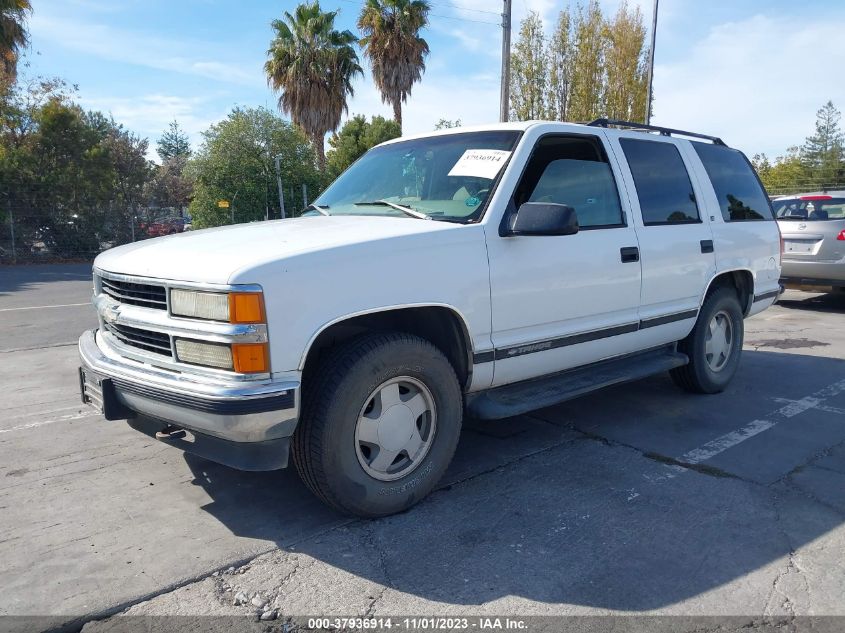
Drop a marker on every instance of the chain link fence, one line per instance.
(42, 227)
(804, 185)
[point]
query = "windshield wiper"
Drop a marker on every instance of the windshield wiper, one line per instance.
(320, 210)
(406, 210)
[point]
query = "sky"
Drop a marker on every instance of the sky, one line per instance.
(753, 72)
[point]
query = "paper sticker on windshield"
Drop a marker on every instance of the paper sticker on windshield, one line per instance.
(480, 163)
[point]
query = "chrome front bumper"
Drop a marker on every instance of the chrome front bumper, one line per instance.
(242, 416)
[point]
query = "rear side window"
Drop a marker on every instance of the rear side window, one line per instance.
(740, 194)
(662, 182)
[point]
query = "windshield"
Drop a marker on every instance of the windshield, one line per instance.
(444, 177)
(810, 208)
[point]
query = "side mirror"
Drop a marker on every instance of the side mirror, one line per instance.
(544, 218)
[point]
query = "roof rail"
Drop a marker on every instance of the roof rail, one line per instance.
(665, 131)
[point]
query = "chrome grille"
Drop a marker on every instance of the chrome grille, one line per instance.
(146, 295)
(155, 342)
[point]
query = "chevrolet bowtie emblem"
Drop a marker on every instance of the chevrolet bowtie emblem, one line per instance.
(111, 312)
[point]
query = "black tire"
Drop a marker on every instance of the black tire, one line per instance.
(698, 376)
(325, 445)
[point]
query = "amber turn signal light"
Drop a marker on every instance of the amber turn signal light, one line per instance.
(250, 358)
(246, 307)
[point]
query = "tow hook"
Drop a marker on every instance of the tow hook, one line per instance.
(170, 432)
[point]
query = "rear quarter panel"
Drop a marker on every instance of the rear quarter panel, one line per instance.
(752, 246)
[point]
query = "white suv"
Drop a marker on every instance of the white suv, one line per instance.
(489, 270)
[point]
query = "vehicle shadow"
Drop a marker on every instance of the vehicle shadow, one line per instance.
(829, 302)
(576, 505)
(14, 278)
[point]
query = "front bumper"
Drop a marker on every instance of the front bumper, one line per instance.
(244, 424)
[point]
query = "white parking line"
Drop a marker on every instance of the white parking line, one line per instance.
(64, 418)
(30, 414)
(721, 444)
(729, 440)
(62, 305)
(818, 407)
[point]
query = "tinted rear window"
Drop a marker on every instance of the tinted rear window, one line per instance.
(811, 210)
(741, 197)
(662, 182)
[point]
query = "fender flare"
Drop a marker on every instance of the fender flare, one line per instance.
(462, 321)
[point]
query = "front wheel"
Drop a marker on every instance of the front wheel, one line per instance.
(380, 424)
(714, 346)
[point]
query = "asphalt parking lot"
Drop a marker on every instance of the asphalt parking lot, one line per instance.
(637, 499)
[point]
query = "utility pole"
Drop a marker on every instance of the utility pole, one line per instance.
(232, 205)
(504, 103)
(651, 64)
(12, 229)
(279, 184)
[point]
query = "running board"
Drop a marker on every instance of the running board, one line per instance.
(521, 397)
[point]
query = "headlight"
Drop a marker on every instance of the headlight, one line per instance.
(208, 354)
(244, 358)
(234, 307)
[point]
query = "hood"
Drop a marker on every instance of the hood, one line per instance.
(214, 255)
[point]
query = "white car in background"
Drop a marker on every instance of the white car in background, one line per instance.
(813, 230)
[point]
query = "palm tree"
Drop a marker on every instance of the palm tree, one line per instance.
(392, 43)
(13, 35)
(312, 65)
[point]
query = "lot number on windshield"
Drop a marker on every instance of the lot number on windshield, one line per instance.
(480, 163)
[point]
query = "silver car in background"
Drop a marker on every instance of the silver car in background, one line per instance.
(812, 226)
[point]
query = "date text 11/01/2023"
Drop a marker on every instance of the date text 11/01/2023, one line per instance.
(430, 623)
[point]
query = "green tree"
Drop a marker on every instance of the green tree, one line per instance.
(391, 42)
(21, 104)
(588, 65)
(236, 163)
(529, 78)
(13, 34)
(625, 65)
(824, 152)
(169, 185)
(130, 173)
(355, 138)
(762, 165)
(560, 54)
(311, 65)
(72, 178)
(786, 174)
(173, 142)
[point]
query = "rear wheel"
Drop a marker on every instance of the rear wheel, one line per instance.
(380, 424)
(714, 346)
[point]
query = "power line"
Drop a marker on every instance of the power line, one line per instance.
(462, 8)
(445, 17)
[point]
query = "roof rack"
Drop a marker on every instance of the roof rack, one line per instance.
(665, 131)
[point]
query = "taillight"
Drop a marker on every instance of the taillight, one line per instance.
(841, 236)
(780, 235)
